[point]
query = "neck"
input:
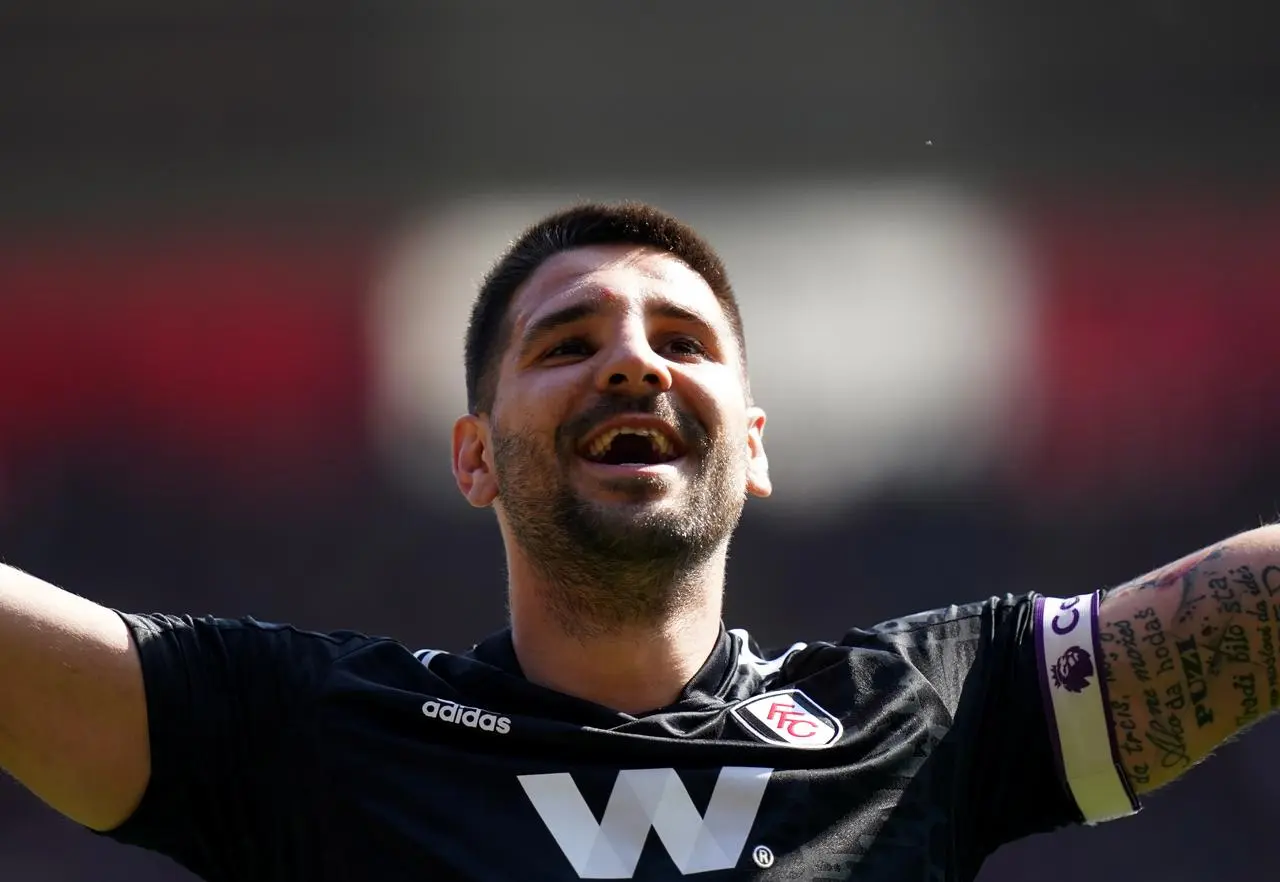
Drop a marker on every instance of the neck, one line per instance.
(630, 667)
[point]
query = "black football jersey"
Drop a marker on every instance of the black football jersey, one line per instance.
(907, 751)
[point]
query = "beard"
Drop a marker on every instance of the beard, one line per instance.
(609, 566)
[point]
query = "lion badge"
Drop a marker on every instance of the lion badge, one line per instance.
(1073, 669)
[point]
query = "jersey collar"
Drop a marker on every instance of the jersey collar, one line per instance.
(709, 684)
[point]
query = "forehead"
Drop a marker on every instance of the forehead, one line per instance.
(617, 276)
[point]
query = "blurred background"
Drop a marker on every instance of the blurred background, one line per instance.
(1010, 276)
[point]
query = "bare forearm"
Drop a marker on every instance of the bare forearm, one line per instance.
(72, 715)
(1190, 654)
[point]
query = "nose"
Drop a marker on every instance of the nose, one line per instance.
(631, 367)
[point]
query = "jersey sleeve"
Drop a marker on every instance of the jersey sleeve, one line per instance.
(228, 705)
(1028, 707)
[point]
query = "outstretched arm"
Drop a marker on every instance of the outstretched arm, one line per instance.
(1189, 655)
(73, 718)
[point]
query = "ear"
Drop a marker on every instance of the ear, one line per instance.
(758, 483)
(472, 465)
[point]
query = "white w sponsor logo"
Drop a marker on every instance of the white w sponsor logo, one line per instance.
(644, 799)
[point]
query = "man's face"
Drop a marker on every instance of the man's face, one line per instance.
(620, 426)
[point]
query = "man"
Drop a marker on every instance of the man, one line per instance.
(616, 730)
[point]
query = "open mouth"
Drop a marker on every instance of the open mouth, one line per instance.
(632, 445)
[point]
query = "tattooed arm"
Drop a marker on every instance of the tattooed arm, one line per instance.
(1189, 655)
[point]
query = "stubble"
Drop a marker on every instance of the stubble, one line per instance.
(607, 567)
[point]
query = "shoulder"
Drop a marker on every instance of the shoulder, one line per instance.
(987, 618)
(212, 631)
(936, 649)
(958, 629)
(244, 649)
(958, 617)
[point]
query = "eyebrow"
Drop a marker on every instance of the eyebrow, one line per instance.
(552, 321)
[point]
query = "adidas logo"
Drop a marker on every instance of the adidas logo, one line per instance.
(461, 715)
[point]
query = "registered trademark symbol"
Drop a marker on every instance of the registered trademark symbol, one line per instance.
(762, 856)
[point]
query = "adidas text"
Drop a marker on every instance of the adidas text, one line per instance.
(461, 715)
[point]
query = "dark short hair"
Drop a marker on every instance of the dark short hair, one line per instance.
(580, 226)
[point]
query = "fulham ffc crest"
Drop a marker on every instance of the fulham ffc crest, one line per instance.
(788, 718)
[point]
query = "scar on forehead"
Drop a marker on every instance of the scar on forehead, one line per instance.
(655, 263)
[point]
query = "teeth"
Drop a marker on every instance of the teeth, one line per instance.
(660, 441)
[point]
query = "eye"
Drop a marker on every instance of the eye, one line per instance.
(686, 347)
(573, 347)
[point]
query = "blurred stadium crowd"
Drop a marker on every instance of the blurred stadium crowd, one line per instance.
(1011, 286)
